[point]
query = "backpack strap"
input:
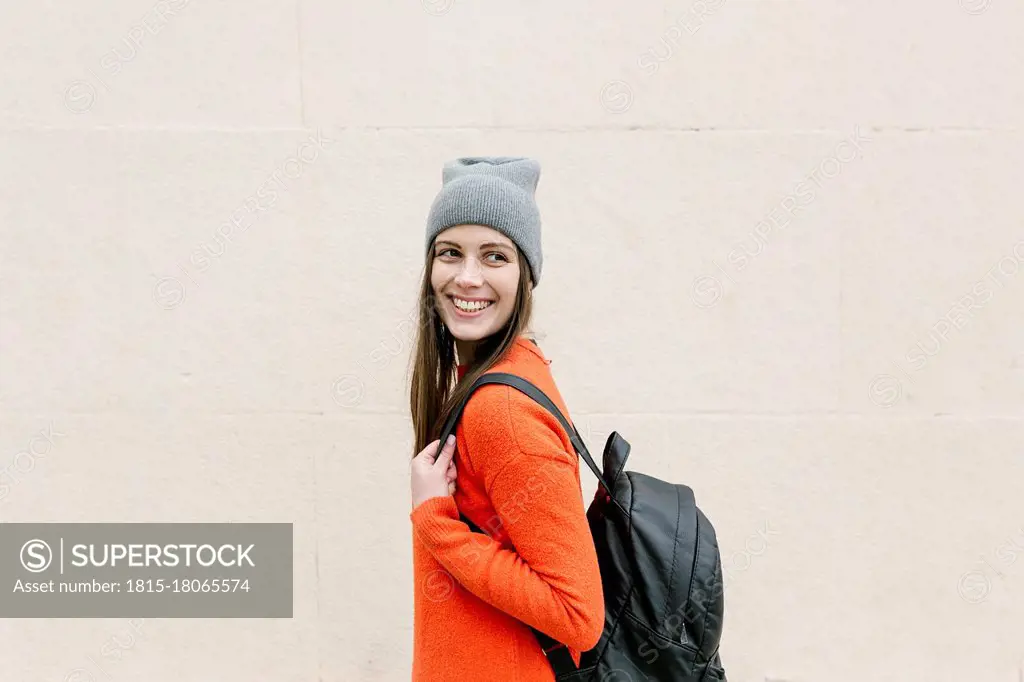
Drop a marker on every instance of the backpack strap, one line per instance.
(539, 396)
(556, 652)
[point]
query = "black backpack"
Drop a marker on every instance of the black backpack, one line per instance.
(660, 568)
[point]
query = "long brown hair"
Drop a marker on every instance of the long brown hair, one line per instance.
(434, 391)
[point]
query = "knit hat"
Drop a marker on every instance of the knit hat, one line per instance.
(496, 191)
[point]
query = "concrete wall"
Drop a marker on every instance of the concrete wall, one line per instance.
(783, 257)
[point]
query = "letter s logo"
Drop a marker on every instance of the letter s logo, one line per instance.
(36, 556)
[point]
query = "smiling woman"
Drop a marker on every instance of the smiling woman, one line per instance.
(477, 596)
(475, 278)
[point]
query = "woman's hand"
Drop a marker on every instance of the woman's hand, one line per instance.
(433, 474)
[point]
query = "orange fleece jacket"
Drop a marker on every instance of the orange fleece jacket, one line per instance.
(476, 595)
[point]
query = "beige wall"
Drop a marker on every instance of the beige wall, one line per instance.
(867, 496)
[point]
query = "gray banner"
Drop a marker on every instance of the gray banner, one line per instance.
(167, 570)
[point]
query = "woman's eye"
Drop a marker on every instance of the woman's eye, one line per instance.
(499, 255)
(445, 251)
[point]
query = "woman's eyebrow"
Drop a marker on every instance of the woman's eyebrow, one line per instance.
(497, 244)
(482, 246)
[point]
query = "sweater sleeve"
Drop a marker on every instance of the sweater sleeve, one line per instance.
(551, 580)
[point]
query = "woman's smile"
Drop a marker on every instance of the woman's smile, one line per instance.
(467, 308)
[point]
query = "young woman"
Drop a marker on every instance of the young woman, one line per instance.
(511, 468)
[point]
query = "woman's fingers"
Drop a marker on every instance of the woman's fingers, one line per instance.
(446, 454)
(437, 459)
(429, 453)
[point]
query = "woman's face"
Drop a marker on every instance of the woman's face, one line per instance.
(475, 278)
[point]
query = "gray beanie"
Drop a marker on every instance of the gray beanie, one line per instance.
(496, 191)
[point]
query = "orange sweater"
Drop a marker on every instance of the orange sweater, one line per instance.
(474, 595)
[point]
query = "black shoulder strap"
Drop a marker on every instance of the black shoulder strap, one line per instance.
(538, 395)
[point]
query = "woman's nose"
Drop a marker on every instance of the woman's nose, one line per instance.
(470, 273)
